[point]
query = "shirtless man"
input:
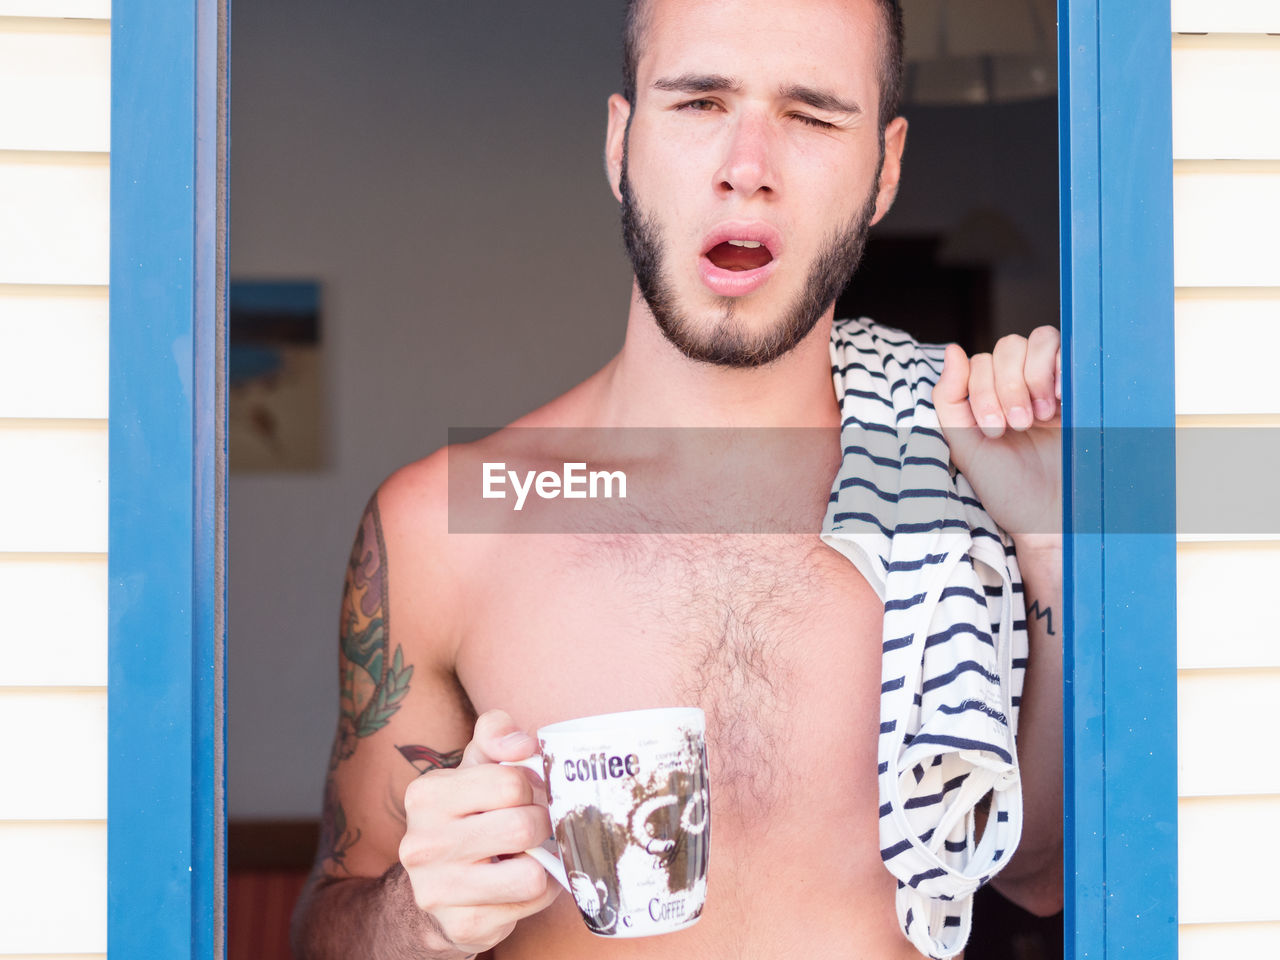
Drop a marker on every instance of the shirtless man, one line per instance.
(743, 119)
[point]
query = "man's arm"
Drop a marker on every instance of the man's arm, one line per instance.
(1033, 878)
(387, 874)
(1000, 413)
(358, 901)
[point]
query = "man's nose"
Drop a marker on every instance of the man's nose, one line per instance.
(749, 165)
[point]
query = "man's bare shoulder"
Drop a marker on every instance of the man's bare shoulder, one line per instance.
(428, 569)
(414, 502)
(423, 505)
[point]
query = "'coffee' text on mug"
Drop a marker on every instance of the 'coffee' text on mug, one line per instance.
(600, 766)
(573, 482)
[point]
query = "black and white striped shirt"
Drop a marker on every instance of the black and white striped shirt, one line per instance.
(955, 633)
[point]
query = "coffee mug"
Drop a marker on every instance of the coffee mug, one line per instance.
(631, 814)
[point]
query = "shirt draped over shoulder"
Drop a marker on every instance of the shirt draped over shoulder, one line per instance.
(955, 635)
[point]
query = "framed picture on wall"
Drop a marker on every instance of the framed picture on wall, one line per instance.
(276, 392)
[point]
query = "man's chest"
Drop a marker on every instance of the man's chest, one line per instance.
(777, 638)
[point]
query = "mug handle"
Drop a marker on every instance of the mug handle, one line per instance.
(548, 853)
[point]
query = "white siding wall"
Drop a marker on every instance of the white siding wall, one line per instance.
(1226, 73)
(54, 142)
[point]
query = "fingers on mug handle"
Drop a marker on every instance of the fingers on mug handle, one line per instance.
(547, 853)
(535, 777)
(533, 763)
(551, 863)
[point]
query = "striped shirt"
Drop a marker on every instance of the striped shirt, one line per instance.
(955, 634)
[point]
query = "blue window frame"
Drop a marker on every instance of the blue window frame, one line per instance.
(1120, 565)
(167, 482)
(167, 479)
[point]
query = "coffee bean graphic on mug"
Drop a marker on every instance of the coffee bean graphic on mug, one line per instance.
(671, 821)
(593, 844)
(631, 811)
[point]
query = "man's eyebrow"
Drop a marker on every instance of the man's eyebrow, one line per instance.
(819, 99)
(697, 83)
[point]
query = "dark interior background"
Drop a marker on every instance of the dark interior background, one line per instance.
(437, 168)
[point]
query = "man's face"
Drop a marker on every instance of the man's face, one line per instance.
(750, 169)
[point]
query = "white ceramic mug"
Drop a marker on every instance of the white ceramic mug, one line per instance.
(631, 814)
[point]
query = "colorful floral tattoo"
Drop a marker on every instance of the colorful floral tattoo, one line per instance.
(373, 678)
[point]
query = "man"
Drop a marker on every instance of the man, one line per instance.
(755, 145)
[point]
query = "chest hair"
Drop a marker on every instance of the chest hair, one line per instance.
(732, 614)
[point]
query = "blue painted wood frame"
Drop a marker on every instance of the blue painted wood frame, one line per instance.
(1120, 569)
(167, 487)
(168, 491)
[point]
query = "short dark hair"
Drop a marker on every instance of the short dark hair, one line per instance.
(637, 22)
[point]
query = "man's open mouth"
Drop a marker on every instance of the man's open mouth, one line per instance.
(738, 258)
(739, 255)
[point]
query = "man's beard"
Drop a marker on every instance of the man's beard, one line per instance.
(726, 343)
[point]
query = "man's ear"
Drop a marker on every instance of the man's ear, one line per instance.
(895, 141)
(615, 140)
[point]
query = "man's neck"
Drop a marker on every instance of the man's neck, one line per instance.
(650, 383)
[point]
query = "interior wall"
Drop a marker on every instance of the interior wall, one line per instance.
(438, 168)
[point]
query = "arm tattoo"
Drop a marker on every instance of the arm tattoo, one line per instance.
(372, 678)
(336, 838)
(424, 758)
(1045, 614)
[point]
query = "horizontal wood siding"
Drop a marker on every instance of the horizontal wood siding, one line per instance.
(58, 739)
(59, 601)
(53, 494)
(56, 217)
(1224, 713)
(1228, 941)
(53, 352)
(54, 240)
(53, 888)
(1219, 623)
(1226, 16)
(1226, 846)
(1225, 216)
(1236, 335)
(1210, 121)
(61, 70)
(1226, 207)
(92, 9)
